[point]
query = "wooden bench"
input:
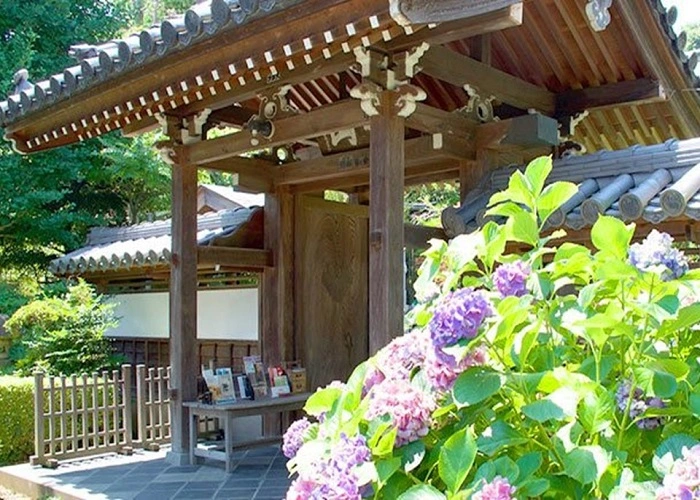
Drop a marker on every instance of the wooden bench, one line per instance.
(227, 412)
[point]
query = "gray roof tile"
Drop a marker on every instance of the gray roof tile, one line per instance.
(651, 183)
(143, 245)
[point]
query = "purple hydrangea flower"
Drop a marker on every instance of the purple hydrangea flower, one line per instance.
(510, 279)
(409, 408)
(656, 253)
(458, 316)
(333, 476)
(683, 482)
(638, 405)
(294, 437)
(498, 489)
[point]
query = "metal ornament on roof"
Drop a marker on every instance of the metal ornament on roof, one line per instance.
(598, 12)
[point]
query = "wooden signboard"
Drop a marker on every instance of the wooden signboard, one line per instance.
(437, 11)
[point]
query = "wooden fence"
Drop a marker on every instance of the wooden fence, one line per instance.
(81, 416)
(152, 406)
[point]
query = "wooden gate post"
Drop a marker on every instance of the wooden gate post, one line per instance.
(38, 458)
(127, 413)
(142, 435)
(183, 279)
(386, 186)
(387, 97)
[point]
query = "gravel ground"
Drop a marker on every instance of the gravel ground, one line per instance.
(6, 494)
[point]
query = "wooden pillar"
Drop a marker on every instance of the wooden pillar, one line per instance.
(277, 289)
(386, 265)
(183, 304)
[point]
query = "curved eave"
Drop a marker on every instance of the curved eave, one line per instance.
(241, 57)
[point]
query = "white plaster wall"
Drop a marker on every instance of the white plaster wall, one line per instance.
(221, 314)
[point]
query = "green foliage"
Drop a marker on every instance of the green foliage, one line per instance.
(424, 204)
(16, 419)
(693, 32)
(63, 335)
(49, 200)
(589, 385)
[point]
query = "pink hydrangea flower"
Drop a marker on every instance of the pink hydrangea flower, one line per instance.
(683, 482)
(498, 489)
(398, 359)
(442, 370)
(409, 408)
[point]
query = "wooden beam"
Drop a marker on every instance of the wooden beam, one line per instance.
(246, 258)
(418, 151)
(437, 121)
(339, 116)
(183, 305)
(642, 91)
(451, 31)
(249, 174)
(523, 132)
(386, 265)
(452, 67)
(440, 11)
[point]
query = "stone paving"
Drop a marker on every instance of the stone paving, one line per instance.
(260, 474)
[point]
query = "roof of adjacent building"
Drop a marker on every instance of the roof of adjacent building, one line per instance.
(648, 183)
(554, 48)
(225, 197)
(146, 245)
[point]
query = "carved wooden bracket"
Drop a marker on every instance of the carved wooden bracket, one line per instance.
(273, 105)
(479, 107)
(381, 71)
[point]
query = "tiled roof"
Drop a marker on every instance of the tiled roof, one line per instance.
(668, 17)
(143, 245)
(201, 21)
(651, 183)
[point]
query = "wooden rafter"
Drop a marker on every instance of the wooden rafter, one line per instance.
(240, 258)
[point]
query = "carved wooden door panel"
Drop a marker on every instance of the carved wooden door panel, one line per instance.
(331, 288)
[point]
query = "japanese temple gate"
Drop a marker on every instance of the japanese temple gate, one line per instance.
(363, 96)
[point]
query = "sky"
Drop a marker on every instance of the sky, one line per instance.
(688, 11)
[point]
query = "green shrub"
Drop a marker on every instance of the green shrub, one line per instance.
(64, 334)
(16, 419)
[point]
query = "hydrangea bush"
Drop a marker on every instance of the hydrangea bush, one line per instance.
(551, 372)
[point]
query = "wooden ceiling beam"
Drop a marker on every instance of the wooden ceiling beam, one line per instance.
(245, 258)
(457, 69)
(339, 116)
(452, 67)
(641, 91)
(437, 121)
(355, 164)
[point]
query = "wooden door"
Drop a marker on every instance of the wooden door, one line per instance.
(331, 288)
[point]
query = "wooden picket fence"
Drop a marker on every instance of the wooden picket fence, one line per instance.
(82, 416)
(79, 416)
(152, 406)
